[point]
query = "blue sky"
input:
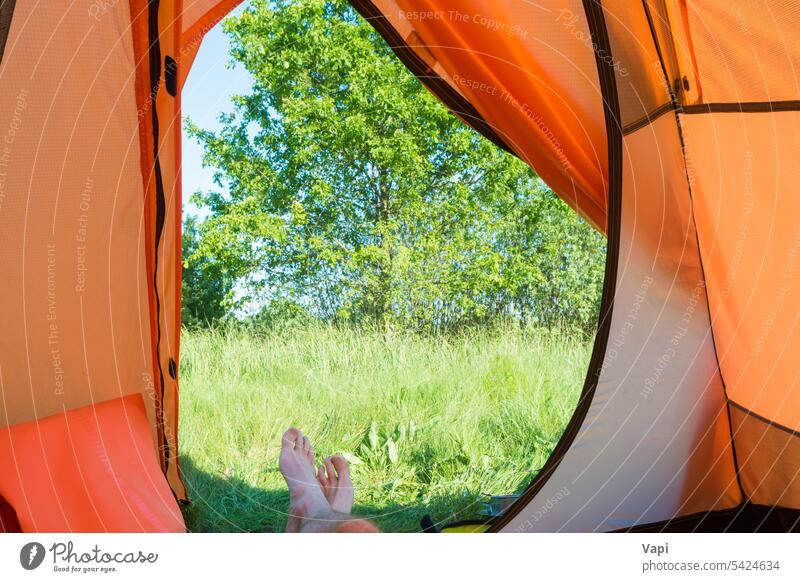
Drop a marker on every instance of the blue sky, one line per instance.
(206, 94)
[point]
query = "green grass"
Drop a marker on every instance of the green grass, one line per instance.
(430, 424)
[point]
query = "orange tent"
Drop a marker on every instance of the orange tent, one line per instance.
(672, 125)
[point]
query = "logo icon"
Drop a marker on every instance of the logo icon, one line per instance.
(31, 555)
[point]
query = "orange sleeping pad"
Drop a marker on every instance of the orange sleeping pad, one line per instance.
(92, 469)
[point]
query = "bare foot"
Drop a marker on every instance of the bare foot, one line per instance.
(334, 477)
(306, 499)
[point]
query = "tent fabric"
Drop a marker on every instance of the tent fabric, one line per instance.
(672, 126)
(655, 441)
(751, 242)
(744, 53)
(91, 469)
(528, 69)
(71, 214)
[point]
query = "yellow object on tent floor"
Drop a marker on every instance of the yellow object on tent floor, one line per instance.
(466, 528)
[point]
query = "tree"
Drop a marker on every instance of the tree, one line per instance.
(206, 288)
(346, 188)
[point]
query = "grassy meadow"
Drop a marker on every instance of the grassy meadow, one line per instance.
(430, 424)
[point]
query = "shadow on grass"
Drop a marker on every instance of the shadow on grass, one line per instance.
(221, 503)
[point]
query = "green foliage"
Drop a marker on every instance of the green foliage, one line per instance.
(429, 424)
(348, 191)
(206, 288)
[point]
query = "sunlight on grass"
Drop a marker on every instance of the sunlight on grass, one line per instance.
(430, 424)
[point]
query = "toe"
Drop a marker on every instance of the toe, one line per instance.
(322, 477)
(332, 475)
(290, 437)
(341, 465)
(308, 449)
